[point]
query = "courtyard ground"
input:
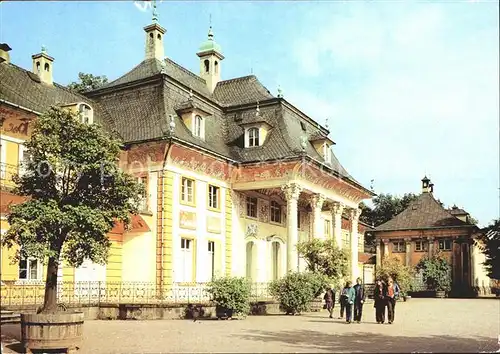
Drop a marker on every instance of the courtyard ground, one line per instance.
(421, 325)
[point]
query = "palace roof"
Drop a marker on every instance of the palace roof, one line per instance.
(423, 213)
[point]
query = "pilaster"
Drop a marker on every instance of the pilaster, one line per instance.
(386, 247)
(430, 239)
(354, 217)
(408, 251)
(378, 259)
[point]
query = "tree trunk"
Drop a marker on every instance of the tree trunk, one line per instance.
(50, 299)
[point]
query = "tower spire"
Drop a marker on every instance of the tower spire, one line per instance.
(155, 12)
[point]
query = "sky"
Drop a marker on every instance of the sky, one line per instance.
(409, 88)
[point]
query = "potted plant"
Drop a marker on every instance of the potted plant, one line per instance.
(231, 296)
(74, 195)
(436, 273)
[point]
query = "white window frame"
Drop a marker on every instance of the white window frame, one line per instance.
(39, 270)
(144, 203)
(211, 259)
(22, 152)
(252, 201)
(187, 190)
(213, 196)
(422, 248)
(276, 210)
(198, 126)
(327, 225)
(253, 137)
(398, 246)
(187, 260)
(86, 115)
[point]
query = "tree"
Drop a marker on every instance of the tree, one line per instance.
(87, 82)
(393, 267)
(489, 242)
(386, 206)
(75, 193)
(436, 272)
(324, 257)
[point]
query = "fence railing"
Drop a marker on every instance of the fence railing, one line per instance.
(96, 292)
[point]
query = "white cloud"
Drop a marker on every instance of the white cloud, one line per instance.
(427, 99)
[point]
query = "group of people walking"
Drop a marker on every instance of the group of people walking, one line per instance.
(352, 299)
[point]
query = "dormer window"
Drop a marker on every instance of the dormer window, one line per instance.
(326, 152)
(198, 130)
(253, 137)
(86, 114)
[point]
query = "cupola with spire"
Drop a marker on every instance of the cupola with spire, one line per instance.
(42, 66)
(427, 186)
(154, 38)
(210, 54)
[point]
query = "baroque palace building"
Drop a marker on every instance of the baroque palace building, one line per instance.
(235, 176)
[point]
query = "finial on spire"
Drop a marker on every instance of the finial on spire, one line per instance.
(44, 49)
(155, 13)
(257, 110)
(326, 123)
(210, 32)
(280, 92)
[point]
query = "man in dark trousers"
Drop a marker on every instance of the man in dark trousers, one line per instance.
(359, 300)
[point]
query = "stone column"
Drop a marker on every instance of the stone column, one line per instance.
(337, 209)
(354, 217)
(292, 192)
(378, 259)
(408, 251)
(431, 245)
(386, 247)
(317, 206)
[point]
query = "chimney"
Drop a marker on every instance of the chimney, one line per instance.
(42, 66)
(426, 188)
(4, 53)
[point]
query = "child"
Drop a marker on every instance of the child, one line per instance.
(330, 300)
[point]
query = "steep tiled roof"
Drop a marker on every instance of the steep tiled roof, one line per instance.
(151, 67)
(423, 213)
(241, 90)
(24, 88)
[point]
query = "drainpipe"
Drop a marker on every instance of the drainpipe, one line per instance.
(162, 239)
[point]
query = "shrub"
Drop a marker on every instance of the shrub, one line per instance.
(295, 291)
(402, 274)
(436, 272)
(232, 293)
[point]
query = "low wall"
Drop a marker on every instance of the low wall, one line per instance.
(149, 311)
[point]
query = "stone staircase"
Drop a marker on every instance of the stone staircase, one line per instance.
(9, 317)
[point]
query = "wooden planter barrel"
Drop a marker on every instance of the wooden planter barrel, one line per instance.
(52, 331)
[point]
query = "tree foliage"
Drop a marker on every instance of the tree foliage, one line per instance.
(87, 82)
(436, 272)
(324, 257)
(75, 193)
(490, 246)
(391, 266)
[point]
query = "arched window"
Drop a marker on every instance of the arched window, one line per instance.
(253, 137)
(216, 67)
(47, 67)
(38, 67)
(86, 116)
(207, 65)
(198, 121)
(158, 36)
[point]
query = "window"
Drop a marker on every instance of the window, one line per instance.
(187, 260)
(198, 122)
(252, 207)
(298, 219)
(30, 269)
(303, 126)
(207, 65)
(24, 158)
(211, 259)
(216, 64)
(253, 137)
(420, 246)
(3, 159)
(445, 245)
(326, 152)
(143, 180)
(187, 190)
(213, 197)
(327, 228)
(275, 212)
(398, 246)
(85, 113)
(346, 237)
